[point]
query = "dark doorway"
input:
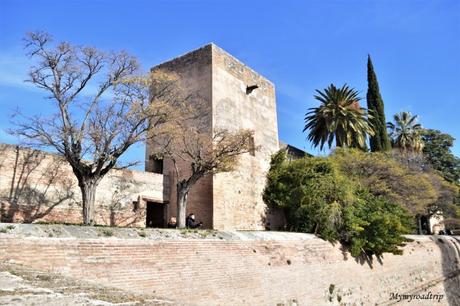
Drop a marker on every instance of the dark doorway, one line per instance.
(155, 215)
(425, 226)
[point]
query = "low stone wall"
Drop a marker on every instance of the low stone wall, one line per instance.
(39, 186)
(245, 268)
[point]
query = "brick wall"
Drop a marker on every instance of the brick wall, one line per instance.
(248, 271)
(39, 186)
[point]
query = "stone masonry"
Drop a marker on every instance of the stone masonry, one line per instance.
(35, 185)
(239, 98)
(39, 186)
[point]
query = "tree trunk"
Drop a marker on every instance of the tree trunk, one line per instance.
(316, 228)
(88, 193)
(182, 193)
(419, 224)
(338, 140)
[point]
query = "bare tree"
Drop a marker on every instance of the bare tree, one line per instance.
(102, 108)
(187, 141)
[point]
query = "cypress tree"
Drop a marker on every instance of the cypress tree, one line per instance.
(380, 141)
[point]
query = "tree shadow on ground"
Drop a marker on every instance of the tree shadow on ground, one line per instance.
(38, 184)
(450, 256)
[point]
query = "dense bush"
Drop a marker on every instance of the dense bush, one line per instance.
(373, 225)
(409, 183)
(318, 198)
(384, 176)
(438, 152)
(312, 193)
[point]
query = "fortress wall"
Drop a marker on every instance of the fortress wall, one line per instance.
(195, 76)
(39, 186)
(228, 200)
(238, 202)
(277, 270)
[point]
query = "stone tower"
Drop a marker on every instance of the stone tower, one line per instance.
(239, 98)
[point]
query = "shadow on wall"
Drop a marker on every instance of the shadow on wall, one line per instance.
(363, 258)
(274, 219)
(122, 211)
(450, 250)
(37, 185)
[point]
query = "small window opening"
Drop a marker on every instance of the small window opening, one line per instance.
(251, 88)
(157, 165)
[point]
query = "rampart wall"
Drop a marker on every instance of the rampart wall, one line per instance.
(248, 268)
(39, 186)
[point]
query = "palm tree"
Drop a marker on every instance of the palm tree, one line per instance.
(405, 132)
(338, 117)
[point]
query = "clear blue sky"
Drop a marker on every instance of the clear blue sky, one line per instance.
(299, 45)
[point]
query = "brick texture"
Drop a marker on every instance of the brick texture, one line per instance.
(247, 272)
(194, 70)
(39, 186)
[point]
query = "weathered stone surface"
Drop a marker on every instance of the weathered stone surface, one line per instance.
(39, 186)
(194, 70)
(35, 185)
(228, 200)
(237, 196)
(243, 268)
(23, 286)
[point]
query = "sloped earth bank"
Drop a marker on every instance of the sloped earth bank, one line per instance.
(20, 285)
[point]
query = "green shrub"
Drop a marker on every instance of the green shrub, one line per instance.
(6, 229)
(318, 198)
(107, 232)
(373, 225)
(382, 175)
(312, 193)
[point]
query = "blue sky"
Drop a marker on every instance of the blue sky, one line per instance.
(299, 45)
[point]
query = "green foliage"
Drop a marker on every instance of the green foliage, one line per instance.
(107, 232)
(379, 141)
(405, 132)
(412, 186)
(374, 225)
(384, 176)
(447, 196)
(6, 229)
(312, 192)
(338, 117)
(318, 198)
(438, 153)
